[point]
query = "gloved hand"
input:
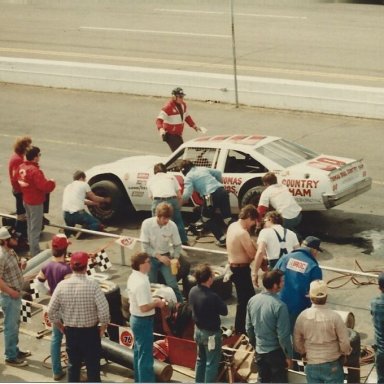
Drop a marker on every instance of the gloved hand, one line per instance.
(163, 134)
(197, 129)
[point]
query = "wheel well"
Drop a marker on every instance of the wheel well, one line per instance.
(114, 179)
(255, 182)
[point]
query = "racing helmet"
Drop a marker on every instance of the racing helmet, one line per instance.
(178, 92)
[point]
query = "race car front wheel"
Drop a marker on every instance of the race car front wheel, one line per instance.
(252, 196)
(107, 211)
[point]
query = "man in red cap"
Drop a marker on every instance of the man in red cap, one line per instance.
(77, 306)
(53, 272)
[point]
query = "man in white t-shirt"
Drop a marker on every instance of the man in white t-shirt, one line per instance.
(279, 197)
(273, 241)
(76, 195)
(142, 308)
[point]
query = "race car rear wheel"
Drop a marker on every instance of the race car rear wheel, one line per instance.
(107, 211)
(252, 196)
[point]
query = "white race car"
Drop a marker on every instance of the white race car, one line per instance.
(316, 181)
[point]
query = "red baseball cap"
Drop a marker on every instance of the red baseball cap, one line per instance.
(60, 241)
(79, 259)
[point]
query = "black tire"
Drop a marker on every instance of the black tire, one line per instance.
(108, 211)
(353, 359)
(252, 196)
(112, 294)
(223, 289)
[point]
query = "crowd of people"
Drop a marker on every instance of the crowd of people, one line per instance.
(287, 321)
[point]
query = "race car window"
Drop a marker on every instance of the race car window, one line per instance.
(201, 157)
(240, 162)
(286, 153)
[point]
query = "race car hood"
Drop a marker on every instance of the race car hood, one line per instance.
(123, 167)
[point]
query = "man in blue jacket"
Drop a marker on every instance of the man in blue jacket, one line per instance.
(208, 183)
(300, 268)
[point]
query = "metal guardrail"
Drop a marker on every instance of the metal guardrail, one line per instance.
(198, 249)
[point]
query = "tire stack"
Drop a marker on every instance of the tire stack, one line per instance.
(113, 296)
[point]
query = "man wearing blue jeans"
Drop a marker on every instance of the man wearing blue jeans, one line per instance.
(11, 283)
(207, 307)
(53, 272)
(268, 329)
(208, 183)
(142, 308)
(76, 196)
(321, 335)
(161, 241)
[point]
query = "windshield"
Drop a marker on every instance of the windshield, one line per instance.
(286, 153)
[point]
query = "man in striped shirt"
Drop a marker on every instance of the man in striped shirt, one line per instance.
(77, 306)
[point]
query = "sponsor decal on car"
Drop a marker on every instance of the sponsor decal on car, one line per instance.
(300, 187)
(231, 184)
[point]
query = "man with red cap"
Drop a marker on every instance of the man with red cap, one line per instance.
(53, 272)
(77, 306)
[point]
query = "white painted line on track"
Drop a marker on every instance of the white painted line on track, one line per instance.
(148, 31)
(77, 144)
(197, 64)
(226, 13)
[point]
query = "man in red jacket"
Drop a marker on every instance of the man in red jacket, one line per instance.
(34, 187)
(20, 148)
(172, 116)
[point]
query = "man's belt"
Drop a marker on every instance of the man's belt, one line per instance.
(164, 198)
(238, 265)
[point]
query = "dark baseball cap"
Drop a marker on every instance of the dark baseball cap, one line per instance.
(79, 259)
(312, 242)
(178, 92)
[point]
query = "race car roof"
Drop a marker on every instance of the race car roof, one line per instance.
(220, 141)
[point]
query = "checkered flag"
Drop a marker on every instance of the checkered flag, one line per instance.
(91, 268)
(34, 290)
(102, 260)
(26, 312)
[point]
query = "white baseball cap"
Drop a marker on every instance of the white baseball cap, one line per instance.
(4, 233)
(318, 288)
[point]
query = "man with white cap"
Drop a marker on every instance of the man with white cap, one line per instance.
(321, 335)
(77, 306)
(11, 283)
(300, 268)
(53, 272)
